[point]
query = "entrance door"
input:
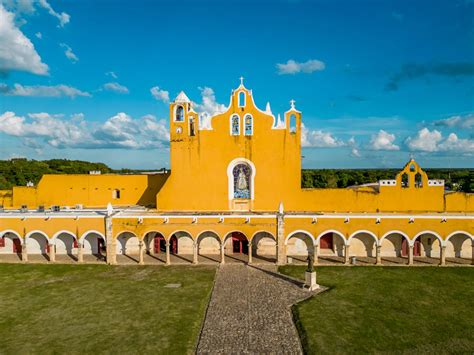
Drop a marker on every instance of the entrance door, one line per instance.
(16, 245)
(326, 241)
(416, 248)
(240, 244)
(159, 244)
(174, 245)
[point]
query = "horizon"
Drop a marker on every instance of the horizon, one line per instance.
(376, 82)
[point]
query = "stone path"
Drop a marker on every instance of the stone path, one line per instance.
(249, 313)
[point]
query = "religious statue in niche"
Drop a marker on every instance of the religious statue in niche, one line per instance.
(241, 174)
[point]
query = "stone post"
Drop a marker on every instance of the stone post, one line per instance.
(80, 252)
(222, 253)
(52, 253)
(195, 252)
(109, 238)
(168, 260)
(347, 249)
(140, 252)
(281, 246)
(379, 255)
(250, 252)
(410, 255)
(315, 254)
(442, 255)
(24, 252)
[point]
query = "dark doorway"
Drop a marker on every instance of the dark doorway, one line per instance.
(240, 245)
(326, 241)
(416, 248)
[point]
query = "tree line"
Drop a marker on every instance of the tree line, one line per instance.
(19, 172)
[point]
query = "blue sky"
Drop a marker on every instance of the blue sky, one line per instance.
(377, 81)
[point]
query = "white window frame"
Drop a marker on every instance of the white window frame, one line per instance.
(230, 124)
(230, 176)
(239, 103)
(245, 128)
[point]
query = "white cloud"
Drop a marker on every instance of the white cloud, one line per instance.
(383, 141)
(466, 121)
(69, 53)
(294, 67)
(208, 107)
(116, 87)
(42, 91)
(318, 139)
(63, 17)
(16, 50)
(112, 74)
(432, 141)
(38, 35)
(354, 148)
(119, 131)
(160, 94)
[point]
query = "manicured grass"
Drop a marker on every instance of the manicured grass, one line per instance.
(388, 310)
(101, 309)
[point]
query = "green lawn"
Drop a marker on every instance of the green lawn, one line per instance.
(388, 310)
(101, 309)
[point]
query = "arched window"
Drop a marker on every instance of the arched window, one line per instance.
(405, 182)
(191, 127)
(235, 125)
(412, 167)
(248, 125)
(418, 180)
(116, 194)
(242, 173)
(241, 99)
(179, 114)
(292, 123)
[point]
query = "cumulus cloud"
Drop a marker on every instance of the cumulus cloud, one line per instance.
(42, 91)
(160, 94)
(464, 122)
(112, 74)
(28, 7)
(116, 87)
(294, 67)
(16, 50)
(208, 107)
(432, 141)
(318, 139)
(383, 141)
(416, 71)
(63, 17)
(120, 131)
(69, 53)
(354, 148)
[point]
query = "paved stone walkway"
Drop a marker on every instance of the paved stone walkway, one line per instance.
(249, 313)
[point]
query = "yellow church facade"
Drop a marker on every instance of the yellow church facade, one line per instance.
(234, 192)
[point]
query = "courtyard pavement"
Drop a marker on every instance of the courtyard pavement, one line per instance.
(249, 312)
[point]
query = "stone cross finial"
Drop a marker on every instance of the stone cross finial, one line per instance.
(292, 103)
(241, 80)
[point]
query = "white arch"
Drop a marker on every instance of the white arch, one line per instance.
(55, 236)
(230, 124)
(460, 232)
(2, 233)
(366, 232)
(300, 231)
(123, 232)
(230, 176)
(331, 231)
(263, 231)
(152, 231)
(177, 231)
(216, 235)
(85, 234)
(441, 242)
(395, 232)
(28, 235)
(226, 236)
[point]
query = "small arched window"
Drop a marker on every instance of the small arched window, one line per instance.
(116, 194)
(405, 182)
(191, 127)
(248, 121)
(235, 125)
(412, 167)
(179, 114)
(241, 99)
(241, 174)
(292, 123)
(418, 180)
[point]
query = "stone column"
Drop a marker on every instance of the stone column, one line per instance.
(442, 255)
(140, 252)
(24, 252)
(315, 254)
(281, 246)
(250, 253)
(410, 254)
(222, 253)
(347, 249)
(195, 253)
(52, 253)
(379, 255)
(472, 256)
(168, 260)
(110, 240)
(80, 252)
